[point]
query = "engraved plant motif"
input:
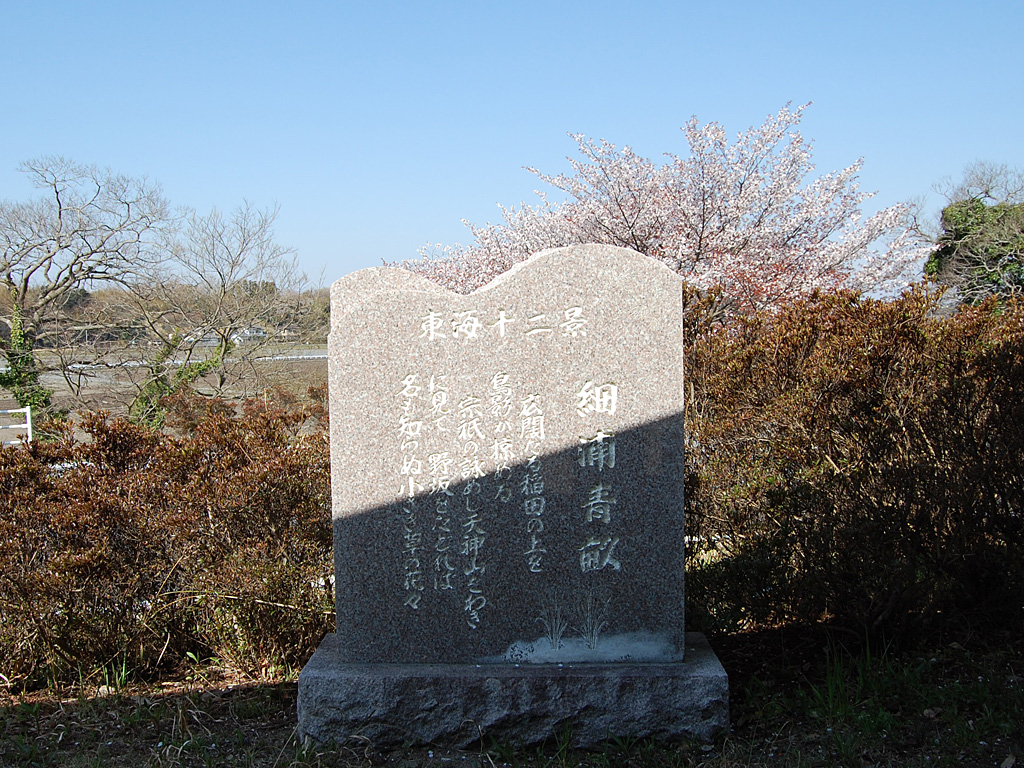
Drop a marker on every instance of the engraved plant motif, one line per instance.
(593, 618)
(554, 624)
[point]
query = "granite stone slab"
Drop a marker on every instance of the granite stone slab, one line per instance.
(507, 466)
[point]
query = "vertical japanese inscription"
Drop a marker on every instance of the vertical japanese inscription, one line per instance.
(410, 431)
(441, 471)
(596, 453)
(532, 435)
(474, 533)
(532, 484)
(480, 438)
(482, 435)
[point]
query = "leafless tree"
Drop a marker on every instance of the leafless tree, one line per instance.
(985, 181)
(101, 274)
(223, 295)
(89, 225)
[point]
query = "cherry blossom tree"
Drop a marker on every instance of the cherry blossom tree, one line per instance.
(745, 216)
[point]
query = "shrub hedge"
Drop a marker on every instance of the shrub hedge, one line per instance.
(138, 549)
(850, 461)
(859, 462)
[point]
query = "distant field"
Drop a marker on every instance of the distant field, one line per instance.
(112, 384)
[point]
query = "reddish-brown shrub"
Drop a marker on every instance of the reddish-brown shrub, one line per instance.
(137, 548)
(860, 462)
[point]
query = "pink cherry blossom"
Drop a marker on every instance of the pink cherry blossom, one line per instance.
(747, 216)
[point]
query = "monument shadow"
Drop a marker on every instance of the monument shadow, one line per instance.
(572, 555)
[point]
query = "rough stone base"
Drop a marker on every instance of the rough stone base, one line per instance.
(457, 704)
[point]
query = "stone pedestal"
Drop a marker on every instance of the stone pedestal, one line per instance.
(458, 704)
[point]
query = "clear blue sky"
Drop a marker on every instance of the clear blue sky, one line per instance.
(378, 126)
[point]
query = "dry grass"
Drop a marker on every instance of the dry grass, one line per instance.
(794, 704)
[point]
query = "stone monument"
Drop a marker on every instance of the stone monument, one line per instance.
(507, 481)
